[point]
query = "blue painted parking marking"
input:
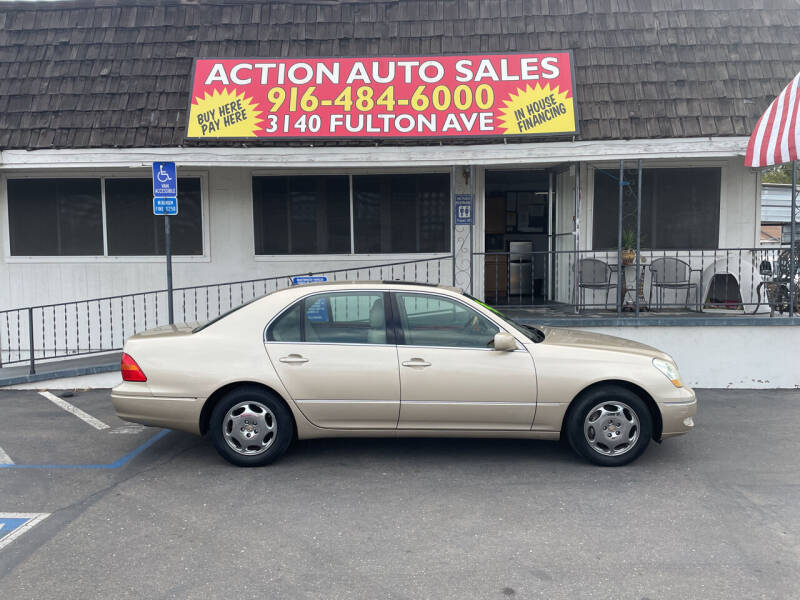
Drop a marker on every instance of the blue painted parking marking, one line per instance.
(114, 465)
(13, 525)
(9, 524)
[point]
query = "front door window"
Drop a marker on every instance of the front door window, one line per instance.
(429, 320)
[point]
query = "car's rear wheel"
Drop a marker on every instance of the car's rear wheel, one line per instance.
(609, 426)
(251, 427)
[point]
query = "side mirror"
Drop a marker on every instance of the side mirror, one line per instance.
(504, 342)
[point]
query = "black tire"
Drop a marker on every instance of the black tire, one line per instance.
(609, 395)
(280, 416)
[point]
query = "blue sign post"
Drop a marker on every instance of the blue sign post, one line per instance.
(165, 202)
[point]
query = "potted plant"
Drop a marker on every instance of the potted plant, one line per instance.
(628, 247)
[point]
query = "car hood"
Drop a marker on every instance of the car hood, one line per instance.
(557, 336)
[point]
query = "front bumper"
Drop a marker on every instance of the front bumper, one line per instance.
(677, 414)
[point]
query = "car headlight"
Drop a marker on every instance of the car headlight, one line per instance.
(670, 371)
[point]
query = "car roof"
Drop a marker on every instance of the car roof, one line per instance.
(378, 283)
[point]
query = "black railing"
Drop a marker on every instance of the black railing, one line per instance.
(735, 280)
(71, 329)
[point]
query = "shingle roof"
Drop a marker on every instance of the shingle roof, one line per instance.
(116, 74)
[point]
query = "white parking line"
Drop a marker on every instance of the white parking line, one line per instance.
(5, 459)
(133, 428)
(96, 423)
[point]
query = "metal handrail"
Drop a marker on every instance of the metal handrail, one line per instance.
(556, 270)
(95, 325)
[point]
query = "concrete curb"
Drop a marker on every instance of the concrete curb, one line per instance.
(67, 372)
(652, 321)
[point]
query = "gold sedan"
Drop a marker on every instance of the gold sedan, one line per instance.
(375, 359)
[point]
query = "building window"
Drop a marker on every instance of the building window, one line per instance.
(133, 229)
(776, 213)
(680, 208)
(55, 217)
(301, 215)
(66, 217)
(391, 214)
(402, 213)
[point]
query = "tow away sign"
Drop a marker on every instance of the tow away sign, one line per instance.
(165, 206)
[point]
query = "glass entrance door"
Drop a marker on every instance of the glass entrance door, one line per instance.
(519, 210)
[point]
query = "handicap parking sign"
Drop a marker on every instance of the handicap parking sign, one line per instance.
(165, 180)
(13, 525)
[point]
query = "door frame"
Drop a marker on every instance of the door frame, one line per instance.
(552, 170)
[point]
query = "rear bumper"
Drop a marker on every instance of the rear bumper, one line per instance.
(677, 414)
(182, 414)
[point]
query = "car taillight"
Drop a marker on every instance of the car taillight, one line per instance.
(130, 370)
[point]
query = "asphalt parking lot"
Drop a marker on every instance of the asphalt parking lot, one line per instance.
(134, 512)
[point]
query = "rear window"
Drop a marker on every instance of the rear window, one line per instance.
(223, 315)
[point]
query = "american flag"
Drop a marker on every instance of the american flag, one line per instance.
(776, 137)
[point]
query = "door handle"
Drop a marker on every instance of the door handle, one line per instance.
(415, 362)
(293, 359)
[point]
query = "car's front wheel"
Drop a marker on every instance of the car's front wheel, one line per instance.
(251, 427)
(609, 426)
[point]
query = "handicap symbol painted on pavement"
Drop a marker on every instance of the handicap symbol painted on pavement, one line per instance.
(13, 525)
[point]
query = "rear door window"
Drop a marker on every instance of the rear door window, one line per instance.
(333, 318)
(287, 328)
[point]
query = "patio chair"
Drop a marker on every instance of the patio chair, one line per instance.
(671, 273)
(593, 274)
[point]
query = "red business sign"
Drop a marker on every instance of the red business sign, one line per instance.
(384, 97)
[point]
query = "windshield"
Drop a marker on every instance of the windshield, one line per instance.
(532, 333)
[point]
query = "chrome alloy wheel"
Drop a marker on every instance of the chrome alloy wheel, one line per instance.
(611, 428)
(249, 428)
